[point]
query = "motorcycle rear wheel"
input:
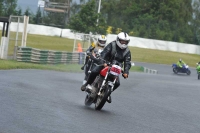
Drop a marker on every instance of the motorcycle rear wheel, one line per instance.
(198, 76)
(175, 70)
(102, 98)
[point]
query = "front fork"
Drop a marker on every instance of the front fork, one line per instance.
(110, 83)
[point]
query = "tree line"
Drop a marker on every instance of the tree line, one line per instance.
(10, 7)
(170, 20)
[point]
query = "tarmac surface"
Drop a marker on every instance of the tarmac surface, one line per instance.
(42, 101)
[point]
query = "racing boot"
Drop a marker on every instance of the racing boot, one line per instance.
(83, 87)
(109, 100)
(84, 81)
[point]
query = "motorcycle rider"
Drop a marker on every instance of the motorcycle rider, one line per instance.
(198, 68)
(180, 63)
(118, 50)
(100, 44)
(91, 53)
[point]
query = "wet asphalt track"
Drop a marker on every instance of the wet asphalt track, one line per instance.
(37, 101)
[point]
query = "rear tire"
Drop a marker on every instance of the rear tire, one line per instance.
(198, 76)
(102, 98)
(175, 70)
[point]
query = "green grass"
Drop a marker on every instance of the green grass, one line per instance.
(12, 64)
(162, 57)
(137, 69)
(138, 54)
(50, 43)
(43, 42)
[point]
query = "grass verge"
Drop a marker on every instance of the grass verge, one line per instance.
(12, 64)
(162, 57)
(138, 54)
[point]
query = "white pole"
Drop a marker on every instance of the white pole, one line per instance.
(16, 39)
(24, 34)
(74, 42)
(99, 7)
(26, 24)
(1, 47)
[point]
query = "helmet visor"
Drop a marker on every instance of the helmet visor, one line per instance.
(123, 41)
(102, 42)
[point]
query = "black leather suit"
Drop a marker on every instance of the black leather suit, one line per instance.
(106, 54)
(92, 49)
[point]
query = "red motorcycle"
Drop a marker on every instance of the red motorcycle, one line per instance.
(99, 91)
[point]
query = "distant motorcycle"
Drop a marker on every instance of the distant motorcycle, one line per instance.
(184, 69)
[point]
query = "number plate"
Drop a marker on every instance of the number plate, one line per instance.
(115, 70)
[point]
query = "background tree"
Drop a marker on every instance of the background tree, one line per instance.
(27, 12)
(195, 22)
(75, 8)
(86, 20)
(38, 17)
(171, 20)
(19, 11)
(155, 19)
(1, 7)
(9, 7)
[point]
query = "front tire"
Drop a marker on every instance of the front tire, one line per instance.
(188, 72)
(102, 98)
(198, 76)
(88, 100)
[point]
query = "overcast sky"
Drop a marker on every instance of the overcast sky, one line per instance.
(24, 4)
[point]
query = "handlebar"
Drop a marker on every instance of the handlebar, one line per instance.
(110, 65)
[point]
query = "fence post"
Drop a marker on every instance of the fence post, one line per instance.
(81, 54)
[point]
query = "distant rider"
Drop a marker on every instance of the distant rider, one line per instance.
(91, 52)
(100, 44)
(198, 67)
(180, 63)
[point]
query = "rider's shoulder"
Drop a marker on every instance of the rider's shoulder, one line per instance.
(93, 45)
(111, 43)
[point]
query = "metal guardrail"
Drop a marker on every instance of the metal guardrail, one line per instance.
(27, 54)
(152, 71)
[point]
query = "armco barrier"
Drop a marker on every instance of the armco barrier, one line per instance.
(152, 71)
(26, 54)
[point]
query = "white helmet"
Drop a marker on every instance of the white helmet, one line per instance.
(102, 40)
(123, 40)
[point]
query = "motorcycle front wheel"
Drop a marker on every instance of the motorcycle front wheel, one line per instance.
(198, 76)
(188, 72)
(102, 98)
(88, 100)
